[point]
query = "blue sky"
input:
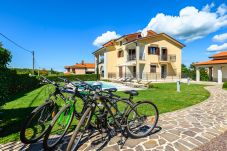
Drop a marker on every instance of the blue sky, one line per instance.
(63, 32)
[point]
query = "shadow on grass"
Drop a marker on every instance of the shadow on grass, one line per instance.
(12, 120)
(18, 95)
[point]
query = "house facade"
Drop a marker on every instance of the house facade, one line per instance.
(153, 57)
(80, 68)
(217, 67)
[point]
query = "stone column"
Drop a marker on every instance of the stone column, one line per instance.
(220, 75)
(197, 74)
(96, 64)
(210, 74)
(137, 62)
(105, 66)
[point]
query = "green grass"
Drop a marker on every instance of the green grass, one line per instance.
(163, 95)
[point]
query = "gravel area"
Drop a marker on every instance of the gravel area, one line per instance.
(217, 144)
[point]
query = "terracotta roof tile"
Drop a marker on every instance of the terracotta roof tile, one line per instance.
(211, 62)
(79, 65)
(221, 54)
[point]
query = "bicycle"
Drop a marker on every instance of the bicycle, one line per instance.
(35, 125)
(60, 125)
(130, 122)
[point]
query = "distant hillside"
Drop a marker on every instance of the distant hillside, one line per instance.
(40, 72)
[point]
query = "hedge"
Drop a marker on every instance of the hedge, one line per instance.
(11, 84)
(84, 77)
(224, 85)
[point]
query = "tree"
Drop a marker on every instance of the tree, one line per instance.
(5, 57)
(185, 71)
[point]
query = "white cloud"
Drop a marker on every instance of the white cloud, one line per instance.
(217, 47)
(191, 23)
(208, 7)
(220, 38)
(105, 37)
(222, 9)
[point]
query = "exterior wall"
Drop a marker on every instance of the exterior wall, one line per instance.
(215, 72)
(80, 71)
(172, 49)
(111, 60)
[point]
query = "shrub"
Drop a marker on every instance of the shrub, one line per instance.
(11, 84)
(224, 85)
(152, 86)
(84, 77)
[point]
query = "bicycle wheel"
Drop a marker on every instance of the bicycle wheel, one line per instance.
(59, 127)
(80, 130)
(141, 119)
(37, 122)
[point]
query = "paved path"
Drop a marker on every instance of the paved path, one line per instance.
(182, 130)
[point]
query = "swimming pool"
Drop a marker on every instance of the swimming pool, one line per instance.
(105, 85)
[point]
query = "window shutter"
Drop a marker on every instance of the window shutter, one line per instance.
(148, 50)
(157, 51)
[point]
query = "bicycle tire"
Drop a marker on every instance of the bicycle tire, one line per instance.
(29, 119)
(51, 126)
(75, 133)
(135, 108)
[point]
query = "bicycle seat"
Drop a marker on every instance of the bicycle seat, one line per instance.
(111, 90)
(132, 92)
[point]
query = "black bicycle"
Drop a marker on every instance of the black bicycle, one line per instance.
(61, 124)
(132, 120)
(35, 125)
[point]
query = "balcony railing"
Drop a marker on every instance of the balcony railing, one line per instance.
(163, 58)
(131, 57)
(142, 57)
(169, 58)
(101, 61)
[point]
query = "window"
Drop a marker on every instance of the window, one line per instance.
(139, 36)
(153, 50)
(120, 54)
(172, 58)
(120, 43)
(153, 69)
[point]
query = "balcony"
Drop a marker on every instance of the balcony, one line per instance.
(101, 61)
(168, 58)
(131, 57)
(163, 58)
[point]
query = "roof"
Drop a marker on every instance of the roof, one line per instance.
(221, 54)
(211, 62)
(155, 35)
(150, 34)
(79, 65)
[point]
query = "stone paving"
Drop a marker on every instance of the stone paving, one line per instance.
(182, 130)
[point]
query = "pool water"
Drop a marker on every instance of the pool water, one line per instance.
(105, 85)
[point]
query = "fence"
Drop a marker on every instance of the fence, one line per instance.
(144, 76)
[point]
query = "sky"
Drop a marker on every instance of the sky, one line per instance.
(65, 32)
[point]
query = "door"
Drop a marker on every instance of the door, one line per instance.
(134, 71)
(120, 72)
(131, 54)
(163, 71)
(164, 54)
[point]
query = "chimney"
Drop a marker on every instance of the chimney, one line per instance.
(82, 62)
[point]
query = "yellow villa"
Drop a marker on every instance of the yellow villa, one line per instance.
(153, 57)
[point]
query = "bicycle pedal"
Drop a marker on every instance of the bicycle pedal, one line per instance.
(112, 133)
(120, 142)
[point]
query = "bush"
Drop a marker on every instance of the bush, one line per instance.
(84, 77)
(152, 86)
(11, 84)
(224, 85)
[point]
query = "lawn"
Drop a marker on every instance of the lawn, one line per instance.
(163, 95)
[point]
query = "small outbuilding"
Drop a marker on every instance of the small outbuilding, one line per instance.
(217, 67)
